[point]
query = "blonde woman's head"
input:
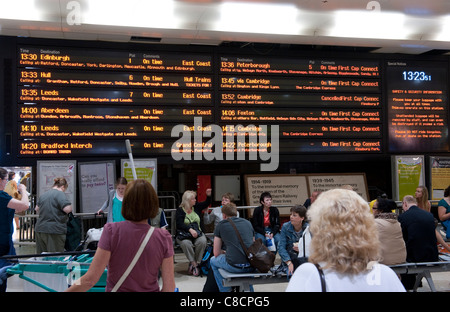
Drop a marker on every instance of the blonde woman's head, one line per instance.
(188, 200)
(344, 234)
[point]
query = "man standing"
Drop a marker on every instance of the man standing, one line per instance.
(234, 258)
(419, 233)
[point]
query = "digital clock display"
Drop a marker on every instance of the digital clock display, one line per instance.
(416, 76)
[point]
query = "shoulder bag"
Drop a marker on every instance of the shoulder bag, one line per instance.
(259, 256)
(182, 235)
(135, 259)
(322, 278)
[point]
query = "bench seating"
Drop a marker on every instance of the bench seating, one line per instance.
(243, 280)
(423, 270)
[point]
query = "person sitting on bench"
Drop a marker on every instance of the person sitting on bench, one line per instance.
(234, 259)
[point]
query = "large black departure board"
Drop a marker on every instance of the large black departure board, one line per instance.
(320, 105)
(77, 102)
(81, 102)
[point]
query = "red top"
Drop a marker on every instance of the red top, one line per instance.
(123, 239)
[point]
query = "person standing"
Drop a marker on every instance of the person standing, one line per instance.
(12, 189)
(444, 211)
(114, 202)
(120, 242)
(9, 206)
(421, 195)
(53, 208)
(419, 233)
(234, 259)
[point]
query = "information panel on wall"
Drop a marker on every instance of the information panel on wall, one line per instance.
(80, 102)
(417, 103)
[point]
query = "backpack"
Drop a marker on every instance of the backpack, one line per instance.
(204, 265)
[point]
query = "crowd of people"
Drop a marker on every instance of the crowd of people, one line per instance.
(333, 242)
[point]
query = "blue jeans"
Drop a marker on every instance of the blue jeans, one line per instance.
(276, 239)
(220, 262)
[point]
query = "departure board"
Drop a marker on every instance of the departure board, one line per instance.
(151, 61)
(417, 106)
(81, 102)
(320, 105)
(77, 102)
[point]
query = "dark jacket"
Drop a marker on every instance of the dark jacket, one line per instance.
(419, 233)
(198, 208)
(258, 220)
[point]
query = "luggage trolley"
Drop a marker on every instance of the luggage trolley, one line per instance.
(55, 273)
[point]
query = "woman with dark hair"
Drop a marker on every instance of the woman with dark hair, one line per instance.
(120, 242)
(266, 220)
(291, 232)
(51, 226)
(393, 249)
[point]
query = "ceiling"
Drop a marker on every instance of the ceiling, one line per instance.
(386, 26)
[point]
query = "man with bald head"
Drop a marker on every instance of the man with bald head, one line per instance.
(419, 233)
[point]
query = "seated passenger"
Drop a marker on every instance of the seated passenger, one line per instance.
(266, 220)
(393, 249)
(188, 220)
(215, 215)
(234, 259)
(344, 249)
(291, 232)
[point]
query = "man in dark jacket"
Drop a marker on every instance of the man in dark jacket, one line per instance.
(419, 233)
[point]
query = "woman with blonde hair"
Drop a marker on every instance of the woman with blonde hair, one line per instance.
(344, 248)
(421, 196)
(189, 228)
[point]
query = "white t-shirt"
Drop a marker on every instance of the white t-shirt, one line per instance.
(380, 279)
(215, 215)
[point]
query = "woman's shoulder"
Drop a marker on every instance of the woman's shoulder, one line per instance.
(180, 210)
(163, 233)
(274, 209)
(286, 225)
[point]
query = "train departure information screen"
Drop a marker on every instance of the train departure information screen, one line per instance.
(81, 102)
(417, 106)
(78, 102)
(319, 105)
